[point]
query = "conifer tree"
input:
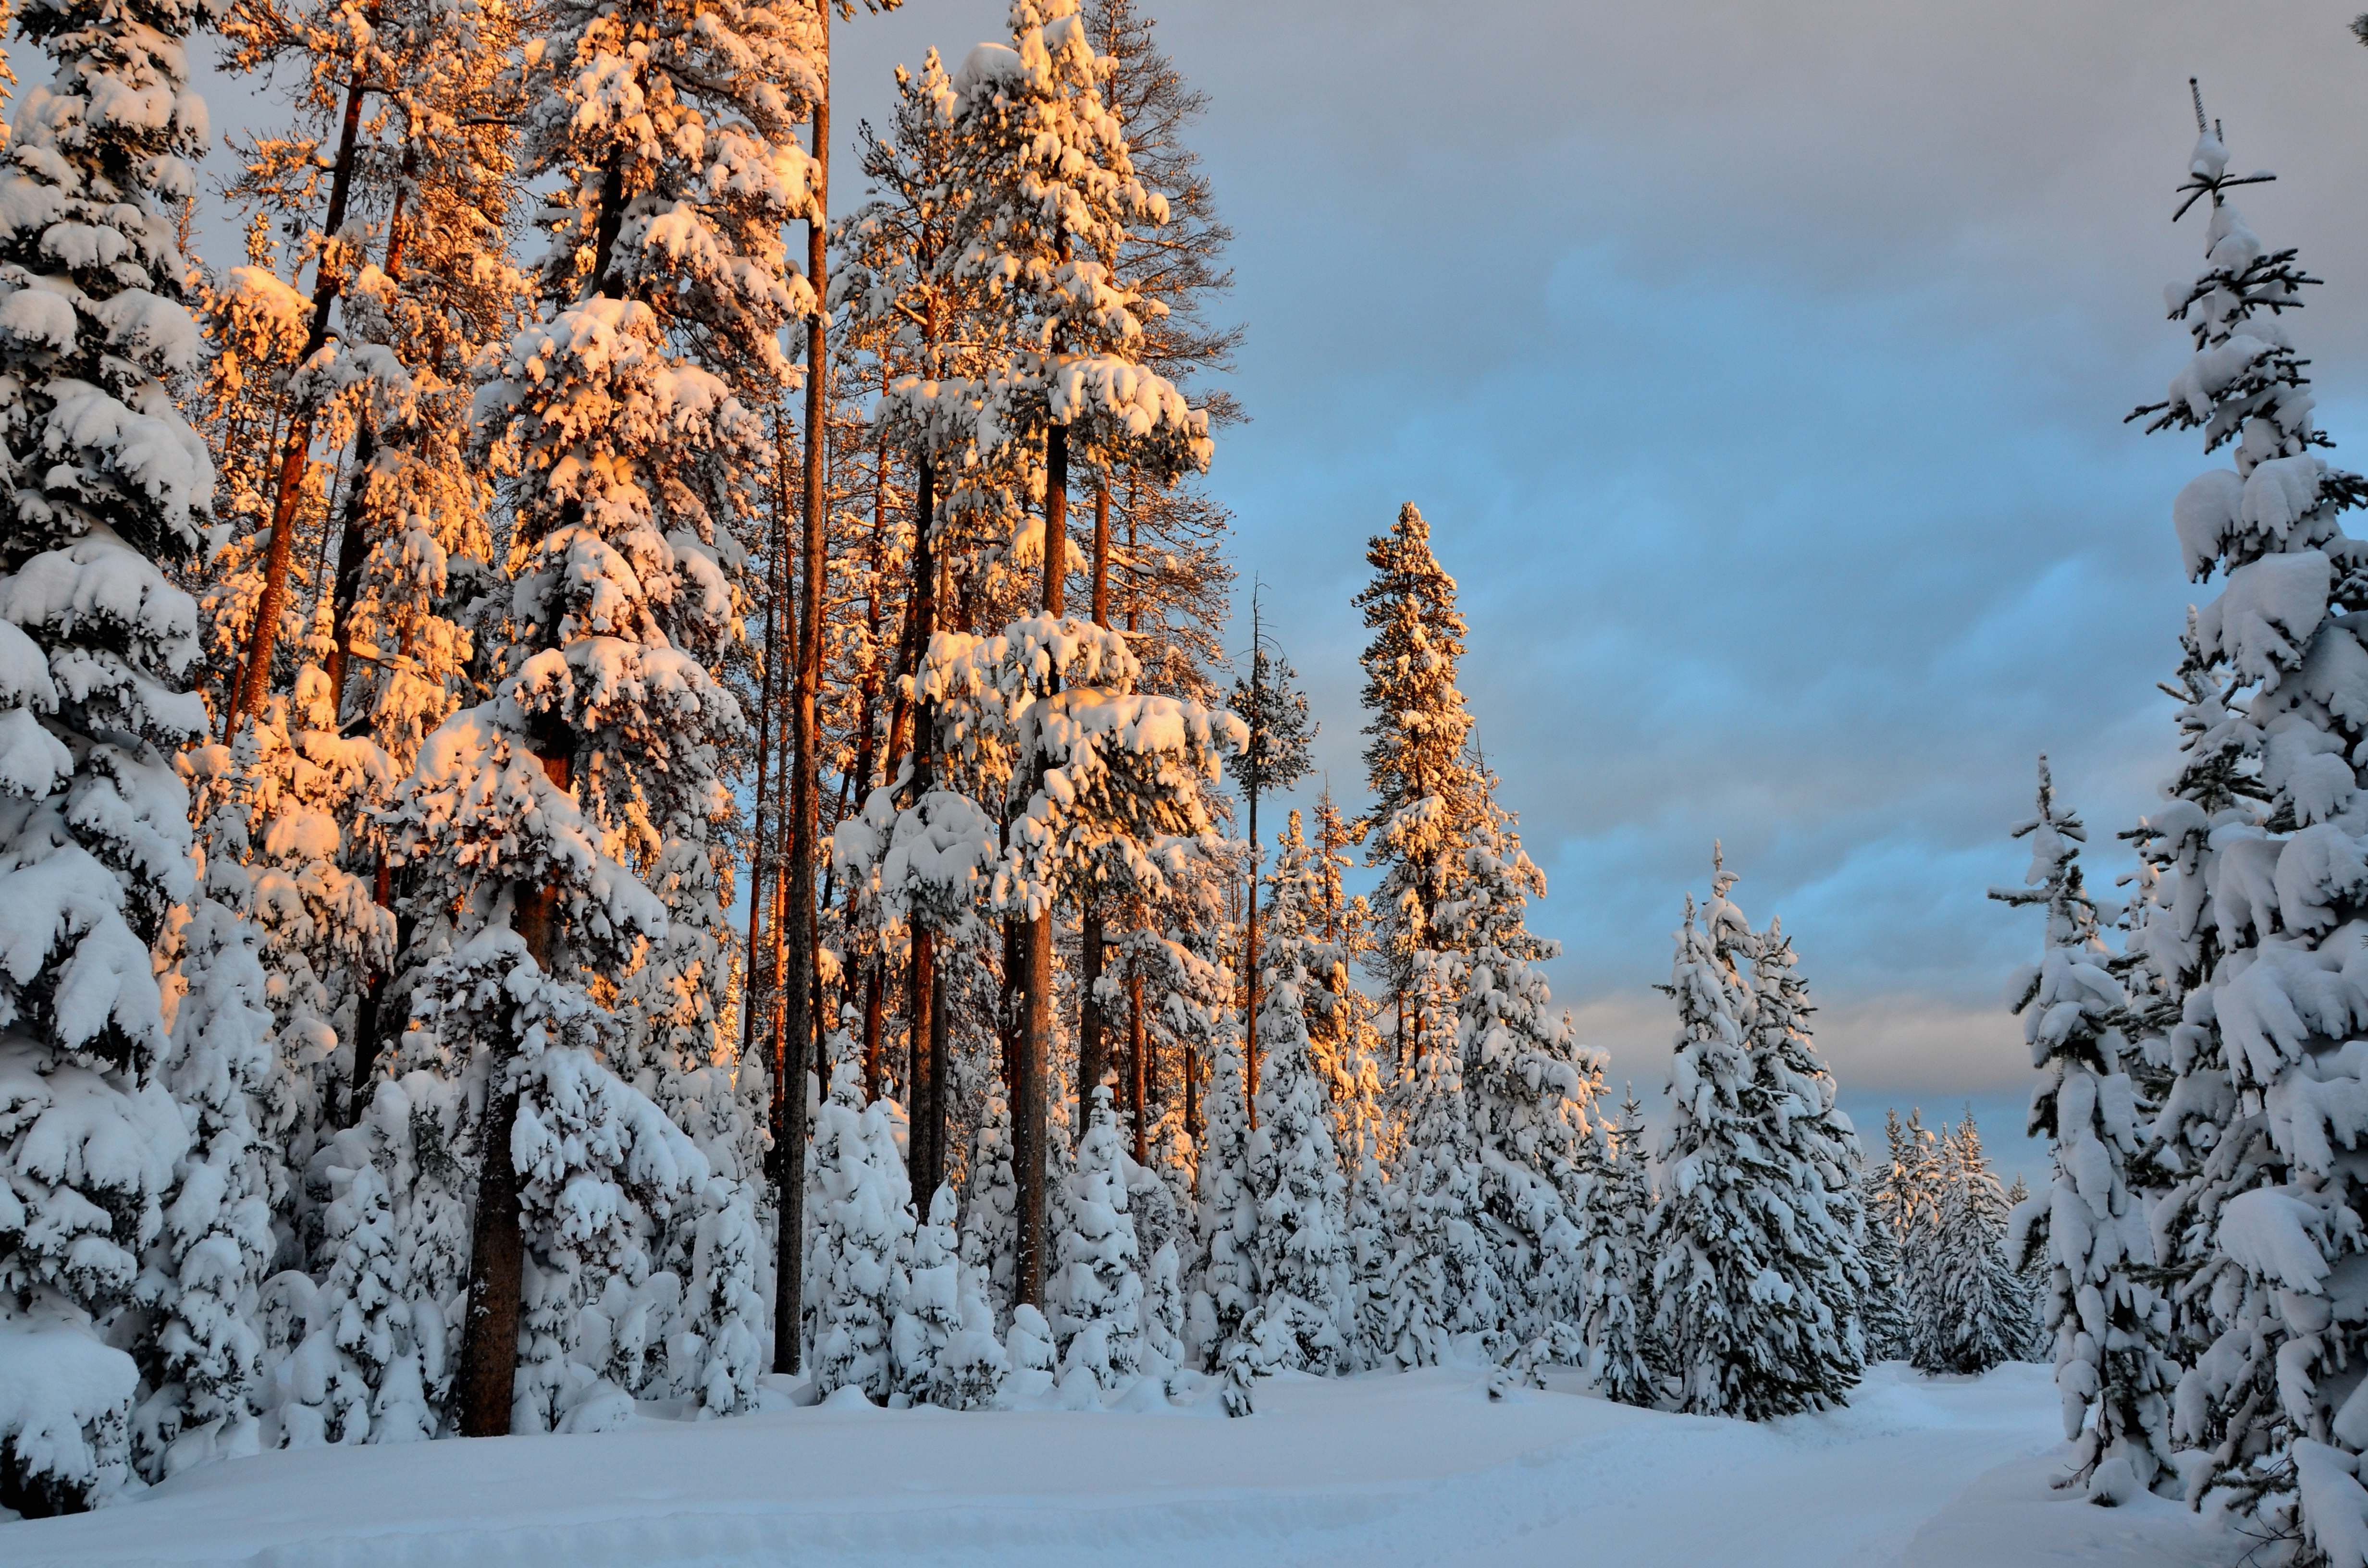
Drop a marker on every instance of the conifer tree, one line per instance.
(1450, 1302)
(105, 479)
(862, 1215)
(1225, 1287)
(1754, 1323)
(1427, 799)
(1097, 1295)
(1375, 1267)
(1165, 540)
(930, 1318)
(1273, 711)
(617, 411)
(2266, 1213)
(1051, 192)
(1885, 1324)
(2090, 1244)
(989, 1222)
(1981, 1311)
(1616, 1312)
(1297, 1253)
(1531, 1085)
(1817, 1149)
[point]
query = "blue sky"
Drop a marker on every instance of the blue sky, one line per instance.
(1761, 370)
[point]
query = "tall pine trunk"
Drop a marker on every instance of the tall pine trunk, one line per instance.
(1036, 943)
(798, 1031)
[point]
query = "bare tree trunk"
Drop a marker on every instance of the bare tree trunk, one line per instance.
(924, 1005)
(760, 860)
(484, 1388)
(799, 1020)
(1036, 968)
(1249, 966)
(922, 1161)
(1093, 1048)
(872, 1063)
(1138, 1087)
(1093, 1035)
(1101, 553)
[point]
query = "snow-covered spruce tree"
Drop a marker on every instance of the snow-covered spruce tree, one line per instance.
(105, 478)
(1222, 1287)
(1907, 1197)
(930, 1317)
(1375, 1266)
(1817, 1149)
(1531, 1085)
(1450, 1302)
(2264, 894)
(1097, 1293)
(1292, 1174)
(1981, 1309)
(1163, 1237)
(2089, 1241)
(200, 1282)
(1427, 799)
(990, 1203)
(1738, 1312)
(861, 1216)
(1885, 1326)
(1051, 192)
(1615, 1313)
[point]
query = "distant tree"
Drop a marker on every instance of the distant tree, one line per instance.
(1980, 1308)
(1274, 710)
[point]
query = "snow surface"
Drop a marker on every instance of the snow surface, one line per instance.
(1414, 1468)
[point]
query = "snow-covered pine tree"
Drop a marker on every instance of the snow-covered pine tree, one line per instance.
(2264, 893)
(1292, 1171)
(1981, 1310)
(1172, 580)
(1051, 192)
(106, 478)
(1747, 1329)
(1615, 1313)
(1341, 1039)
(201, 1279)
(1163, 1237)
(1427, 799)
(1096, 1294)
(616, 409)
(2090, 1242)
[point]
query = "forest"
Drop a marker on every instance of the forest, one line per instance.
(623, 799)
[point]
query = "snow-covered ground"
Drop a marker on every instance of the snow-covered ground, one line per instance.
(1419, 1469)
